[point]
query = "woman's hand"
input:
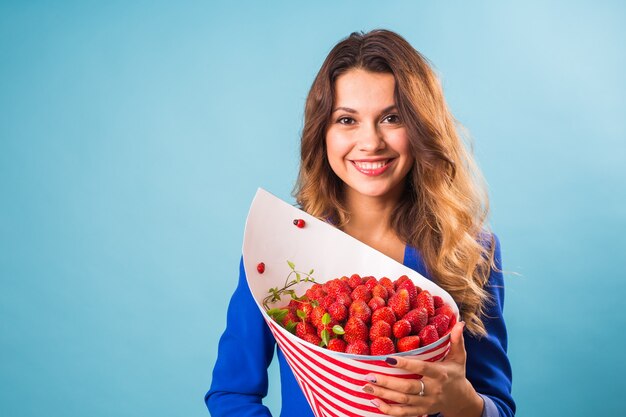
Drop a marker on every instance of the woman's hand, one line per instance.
(446, 390)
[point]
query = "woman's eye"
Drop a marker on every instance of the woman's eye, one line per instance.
(345, 120)
(391, 118)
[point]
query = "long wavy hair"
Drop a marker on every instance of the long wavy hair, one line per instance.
(443, 209)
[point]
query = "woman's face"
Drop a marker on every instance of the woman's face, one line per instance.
(367, 143)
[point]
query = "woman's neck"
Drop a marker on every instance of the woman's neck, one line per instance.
(370, 223)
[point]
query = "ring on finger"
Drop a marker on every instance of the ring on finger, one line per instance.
(421, 393)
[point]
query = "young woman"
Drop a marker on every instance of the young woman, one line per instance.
(382, 160)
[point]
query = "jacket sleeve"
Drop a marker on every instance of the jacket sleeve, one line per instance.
(488, 367)
(245, 350)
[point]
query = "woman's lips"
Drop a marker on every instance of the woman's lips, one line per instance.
(372, 168)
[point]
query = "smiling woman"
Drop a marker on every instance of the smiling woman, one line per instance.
(382, 161)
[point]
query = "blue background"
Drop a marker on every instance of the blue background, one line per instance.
(133, 136)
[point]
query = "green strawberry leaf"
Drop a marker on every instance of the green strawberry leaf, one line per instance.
(291, 327)
(337, 329)
(301, 314)
(325, 337)
(291, 265)
(326, 318)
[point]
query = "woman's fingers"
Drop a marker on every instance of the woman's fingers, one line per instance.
(457, 345)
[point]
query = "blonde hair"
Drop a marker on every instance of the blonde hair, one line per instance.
(443, 210)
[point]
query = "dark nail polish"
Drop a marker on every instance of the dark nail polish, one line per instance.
(391, 361)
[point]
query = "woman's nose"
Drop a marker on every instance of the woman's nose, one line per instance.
(370, 138)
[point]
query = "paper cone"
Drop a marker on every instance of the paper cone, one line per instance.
(331, 381)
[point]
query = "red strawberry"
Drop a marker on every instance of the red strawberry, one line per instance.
(361, 293)
(386, 314)
(380, 328)
(358, 347)
(401, 328)
(315, 292)
(410, 287)
(425, 299)
(441, 323)
(307, 308)
(303, 328)
(380, 291)
(345, 299)
(408, 343)
(399, 281)
(447, 310)
(438, 301)
(360, 309)
(418, 317)
(400, 303)
(316, 315)
(370, 282)
(428, 335)
(312, 338)
(338, 311)
(382, 346)
(326, 301)
(355, 329)
(354, 281)
(337, 345)
(388, 284)
(375, 303)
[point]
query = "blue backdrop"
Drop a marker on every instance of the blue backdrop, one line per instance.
(133, 136)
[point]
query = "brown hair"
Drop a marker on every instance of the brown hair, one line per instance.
(444, 207)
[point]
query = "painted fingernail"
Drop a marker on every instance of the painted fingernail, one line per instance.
(368, 389)
(391, 361)
(375, 403)
(370, 378)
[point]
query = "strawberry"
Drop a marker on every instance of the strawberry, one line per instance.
(315, 292)
(441, 323)
(399, 281)
(355, 329)
(438, 301)
(382, 346)
(361, 293)
(428, 335)
(328, 327)
(400, 303)
(338, 311)
(370, 282)
(410, 287)
(380, 291)
(375, 303)
(344, 298)
(303, 328)
(418, 317)
(408, 343)
(386, 314)
(425, 299)
(338, 345)
(447, 310)
(358, 347)
(307, 308)
(326, 301)
(401, 328)
(316, 315)
(312, 338)
(380, 328)
(388, 284)
(354, 281)
(360, 309)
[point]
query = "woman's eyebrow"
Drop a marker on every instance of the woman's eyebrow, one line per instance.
(349, 110)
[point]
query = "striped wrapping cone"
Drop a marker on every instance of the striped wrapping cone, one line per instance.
(332, 382)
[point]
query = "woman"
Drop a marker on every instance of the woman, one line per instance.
(381, 159)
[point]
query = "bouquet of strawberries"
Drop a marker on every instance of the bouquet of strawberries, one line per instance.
(335, 329)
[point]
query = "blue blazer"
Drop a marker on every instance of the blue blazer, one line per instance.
(246, 349)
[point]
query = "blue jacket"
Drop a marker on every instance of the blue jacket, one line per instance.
(246, 349)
